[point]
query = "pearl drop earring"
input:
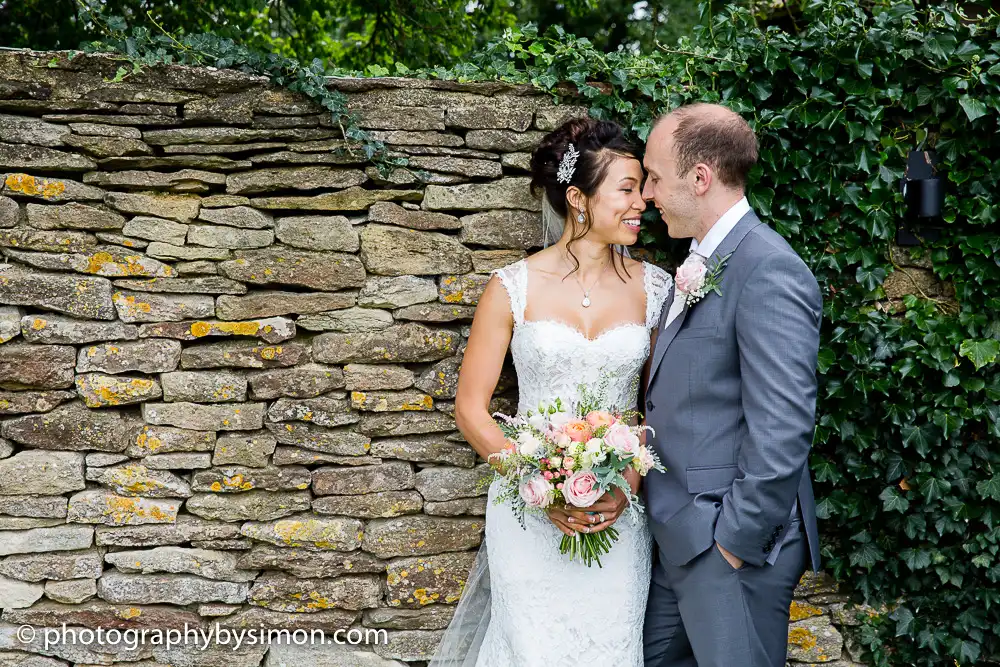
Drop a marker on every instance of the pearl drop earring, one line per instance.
(580, 218)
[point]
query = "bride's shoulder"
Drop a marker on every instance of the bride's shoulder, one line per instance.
(509, 270)
(655, 275)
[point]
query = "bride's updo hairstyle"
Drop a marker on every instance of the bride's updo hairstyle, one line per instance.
(599, 143)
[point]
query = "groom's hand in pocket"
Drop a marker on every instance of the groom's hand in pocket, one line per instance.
(732, 559)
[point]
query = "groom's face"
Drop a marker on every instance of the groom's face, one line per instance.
(672, 194)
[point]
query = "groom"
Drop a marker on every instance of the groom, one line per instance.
(730, 394)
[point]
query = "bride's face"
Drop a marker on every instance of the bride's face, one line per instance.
(615, 209)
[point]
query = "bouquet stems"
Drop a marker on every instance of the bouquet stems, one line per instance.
(589, 546)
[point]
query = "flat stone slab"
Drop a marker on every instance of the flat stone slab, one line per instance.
(313, 532)
(81, 296)
(42, 472)
(177, 589)
(107, 508)
(282, 592)
(71, 427)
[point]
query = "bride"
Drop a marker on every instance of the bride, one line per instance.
(570, 314)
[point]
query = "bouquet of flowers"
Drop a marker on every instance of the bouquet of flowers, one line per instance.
(572, 454)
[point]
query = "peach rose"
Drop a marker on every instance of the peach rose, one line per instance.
(599, 418)
(578, 430)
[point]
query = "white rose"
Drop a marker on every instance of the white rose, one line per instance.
(537, 422)
(560, 419)
(528, 444)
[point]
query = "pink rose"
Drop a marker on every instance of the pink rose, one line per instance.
(536, 492)
(561, 440)
(599, 418)
(691, 275)
(578, 430)
(621, 439)
(581, 489)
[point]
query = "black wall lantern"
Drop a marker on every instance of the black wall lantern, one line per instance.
(923, 196)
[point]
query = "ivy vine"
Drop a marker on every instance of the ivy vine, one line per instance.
(143, 47)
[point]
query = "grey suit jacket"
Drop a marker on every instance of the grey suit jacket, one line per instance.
(731, 396)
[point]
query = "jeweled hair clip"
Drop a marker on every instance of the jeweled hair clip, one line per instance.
(567, 165)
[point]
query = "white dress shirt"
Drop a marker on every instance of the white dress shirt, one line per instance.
(715, 236)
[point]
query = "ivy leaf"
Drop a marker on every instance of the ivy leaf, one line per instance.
(761, 88)
(904, 620)
(867, 555)
(916, 559)
(919, 437)
(934, 488)
(870, 278)
(989, 488)
(980, 352)
(973, 107)
(893, 501)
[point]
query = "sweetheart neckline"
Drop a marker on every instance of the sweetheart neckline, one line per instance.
(580, 333)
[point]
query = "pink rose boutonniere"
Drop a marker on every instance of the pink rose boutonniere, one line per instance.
(695, 279)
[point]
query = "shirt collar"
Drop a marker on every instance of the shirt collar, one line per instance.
(720, 230)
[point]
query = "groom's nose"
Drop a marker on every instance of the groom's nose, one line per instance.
(647, 191)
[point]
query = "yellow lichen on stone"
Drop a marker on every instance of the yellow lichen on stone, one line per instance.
(238, 328)
(38, 323)
(128, 613)
(27, 184)
(455, 297)
(270, 352)
(132, 306)
(802, 610)
(424, 403)
(802, 638)
(146, 441)
(200, 329)
(236, 482)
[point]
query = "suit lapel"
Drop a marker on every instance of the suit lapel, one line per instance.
(729, 244)
(666, 336)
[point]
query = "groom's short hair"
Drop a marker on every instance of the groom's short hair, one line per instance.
(716, 136)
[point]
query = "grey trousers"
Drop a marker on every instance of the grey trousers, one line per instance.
(707, 614)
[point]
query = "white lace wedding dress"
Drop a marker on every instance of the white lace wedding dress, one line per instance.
(543, 609)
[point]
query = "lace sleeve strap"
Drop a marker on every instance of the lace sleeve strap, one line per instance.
(657, 283)
(514, 278)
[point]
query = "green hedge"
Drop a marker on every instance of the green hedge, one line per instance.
(907, 448)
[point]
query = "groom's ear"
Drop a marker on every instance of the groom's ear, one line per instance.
(703, 178)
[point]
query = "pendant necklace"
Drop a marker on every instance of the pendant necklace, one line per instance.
(586, 292)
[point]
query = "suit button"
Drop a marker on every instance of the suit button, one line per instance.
(649, 405)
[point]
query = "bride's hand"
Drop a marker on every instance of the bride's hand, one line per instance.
(599, 516)
(558, 515)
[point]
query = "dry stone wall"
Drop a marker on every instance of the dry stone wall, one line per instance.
(229, 353)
